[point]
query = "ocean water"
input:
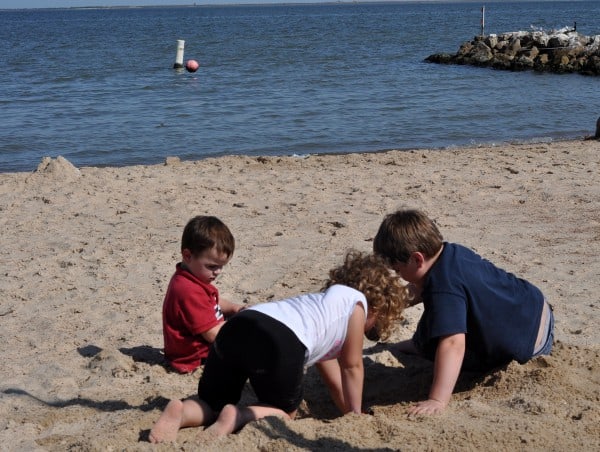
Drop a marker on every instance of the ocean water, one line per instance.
(98, 87)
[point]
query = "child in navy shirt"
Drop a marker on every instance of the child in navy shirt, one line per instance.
(476, 316)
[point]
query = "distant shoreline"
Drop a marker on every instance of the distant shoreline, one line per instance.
(274, 3)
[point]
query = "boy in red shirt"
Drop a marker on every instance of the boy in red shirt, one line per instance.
(192, 312)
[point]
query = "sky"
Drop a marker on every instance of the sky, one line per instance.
(10, 4)
(6, 4)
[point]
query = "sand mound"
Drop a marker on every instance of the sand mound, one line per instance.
(59, 167)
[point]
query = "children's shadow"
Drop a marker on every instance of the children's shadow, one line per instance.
(401, 378)
(276, 428)
(100, 405)
(146, 354)
(141, 353)
(389, 380)
(149, 404)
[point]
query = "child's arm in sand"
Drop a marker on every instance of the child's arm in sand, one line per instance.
(344, 376)
(351, 361)
(448, 360)
(229, 308)
(332, 377)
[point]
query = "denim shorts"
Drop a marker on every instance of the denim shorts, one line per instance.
(547, 347)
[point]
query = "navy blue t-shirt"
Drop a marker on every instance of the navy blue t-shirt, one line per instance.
(499, 313)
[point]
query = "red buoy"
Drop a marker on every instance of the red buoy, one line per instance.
(192, 65)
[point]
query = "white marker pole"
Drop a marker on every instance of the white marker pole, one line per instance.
(483, 21)
(179, 56)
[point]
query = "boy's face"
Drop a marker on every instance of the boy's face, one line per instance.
(205, 266)
(409, 271)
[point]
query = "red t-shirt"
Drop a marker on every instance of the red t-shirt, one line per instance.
(191, 307)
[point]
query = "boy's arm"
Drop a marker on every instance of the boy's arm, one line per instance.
(210, 335)
(446, 368)
(229, 308)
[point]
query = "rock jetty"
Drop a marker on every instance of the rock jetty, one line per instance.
(561, 51)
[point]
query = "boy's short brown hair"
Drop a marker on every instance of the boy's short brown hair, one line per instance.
(404, 232)
(204, 232)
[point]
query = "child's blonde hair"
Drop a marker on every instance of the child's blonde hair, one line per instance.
(386, 295)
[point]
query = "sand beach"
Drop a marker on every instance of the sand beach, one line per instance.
(87, 254)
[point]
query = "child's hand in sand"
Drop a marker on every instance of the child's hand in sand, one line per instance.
(426, 407)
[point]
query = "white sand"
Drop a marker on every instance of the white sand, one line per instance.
(87, 254)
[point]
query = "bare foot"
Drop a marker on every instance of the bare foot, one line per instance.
(168, 424)
(226, 423)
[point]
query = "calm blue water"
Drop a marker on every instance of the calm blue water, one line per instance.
(98, 87)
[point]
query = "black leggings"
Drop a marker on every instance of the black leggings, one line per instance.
(254, 346)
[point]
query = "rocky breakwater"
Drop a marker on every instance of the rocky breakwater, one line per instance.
(561, 51)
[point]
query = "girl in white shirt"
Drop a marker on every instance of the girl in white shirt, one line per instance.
(272, 343)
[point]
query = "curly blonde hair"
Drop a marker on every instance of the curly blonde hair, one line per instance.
(369, 274)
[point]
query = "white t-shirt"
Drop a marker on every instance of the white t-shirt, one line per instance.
(320, 320)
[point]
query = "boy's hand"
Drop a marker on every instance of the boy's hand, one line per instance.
(230, 308)
(426, 407)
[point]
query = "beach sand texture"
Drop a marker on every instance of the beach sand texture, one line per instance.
(87, 254)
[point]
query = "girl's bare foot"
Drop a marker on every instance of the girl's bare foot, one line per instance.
(168, 424)
(229, 421)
